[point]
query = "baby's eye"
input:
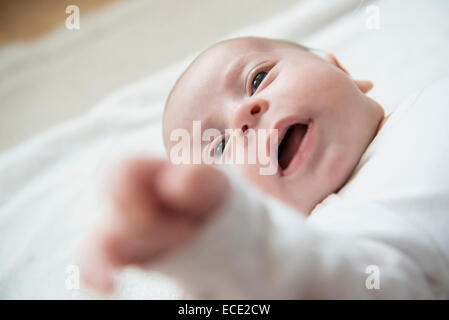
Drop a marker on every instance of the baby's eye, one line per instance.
(219, 149)
(258, 80)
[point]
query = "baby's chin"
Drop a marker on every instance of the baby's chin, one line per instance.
(305, 192)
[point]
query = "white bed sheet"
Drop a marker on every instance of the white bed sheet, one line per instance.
(51, 186)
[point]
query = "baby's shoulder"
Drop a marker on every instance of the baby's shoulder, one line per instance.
(410, 152)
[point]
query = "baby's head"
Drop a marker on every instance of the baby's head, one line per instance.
(325, 120)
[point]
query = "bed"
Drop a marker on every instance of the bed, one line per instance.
(51, 186)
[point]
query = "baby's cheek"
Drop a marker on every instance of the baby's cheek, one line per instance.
(265, 183)
(241, 149)
(250, 159)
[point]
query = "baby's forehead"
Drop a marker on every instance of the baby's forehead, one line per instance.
(225, 51)
(214, 62)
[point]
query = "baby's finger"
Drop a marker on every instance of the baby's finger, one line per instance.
(96, 269)
(132, 189)
(192, 189)
(123, 246)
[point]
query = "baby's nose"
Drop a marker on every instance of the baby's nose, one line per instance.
(249, 113)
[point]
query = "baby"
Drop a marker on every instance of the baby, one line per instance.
(366, 215)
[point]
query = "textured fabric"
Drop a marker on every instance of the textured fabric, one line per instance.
(51, 186)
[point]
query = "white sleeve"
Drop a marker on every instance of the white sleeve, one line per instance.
(247, 251)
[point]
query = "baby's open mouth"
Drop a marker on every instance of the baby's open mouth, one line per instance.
(290, 144)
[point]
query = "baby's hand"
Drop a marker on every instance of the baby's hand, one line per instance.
(157, 207)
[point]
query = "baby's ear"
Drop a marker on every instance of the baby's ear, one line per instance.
(363, 85)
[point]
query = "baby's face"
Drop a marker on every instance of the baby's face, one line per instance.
(324, 120)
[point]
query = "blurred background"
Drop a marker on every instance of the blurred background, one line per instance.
(49, 73)
(51, 76)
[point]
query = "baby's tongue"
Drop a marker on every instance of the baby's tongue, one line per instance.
(290, 144)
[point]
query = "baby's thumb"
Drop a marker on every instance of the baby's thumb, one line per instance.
(192, 189)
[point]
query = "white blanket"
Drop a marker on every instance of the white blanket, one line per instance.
(51, 186)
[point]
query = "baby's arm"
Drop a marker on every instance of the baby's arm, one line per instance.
(245, 248)
(249, 251)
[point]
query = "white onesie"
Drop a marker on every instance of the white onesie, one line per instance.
(384, 235)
